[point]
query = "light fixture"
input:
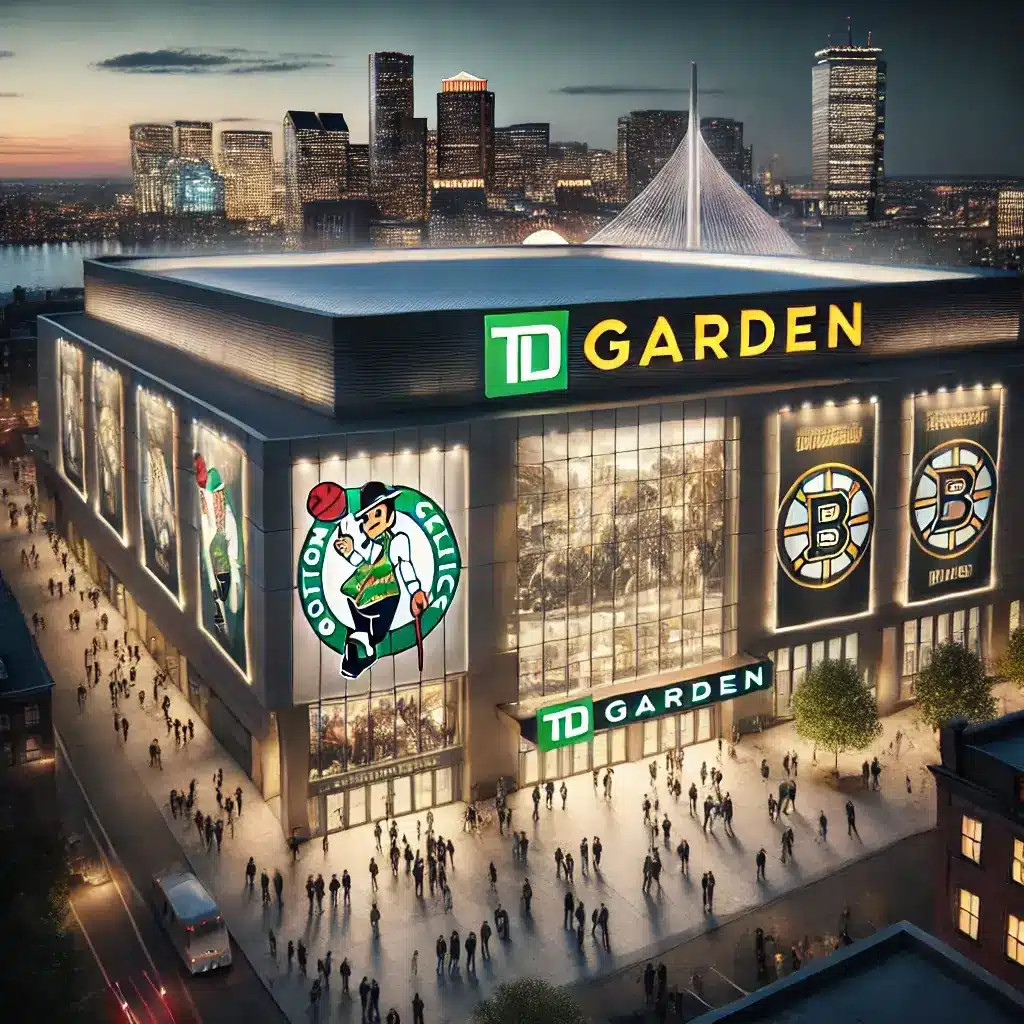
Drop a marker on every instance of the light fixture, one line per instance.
(785, 408)
(829, 404)
(805, 405)
(874, 399)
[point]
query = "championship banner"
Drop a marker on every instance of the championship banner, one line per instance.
(953, 488)
(826, 514)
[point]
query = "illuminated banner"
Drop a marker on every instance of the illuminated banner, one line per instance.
(72, 407)
(826, 514)
(158, 488)
(576, 721)
(108, 420)
(953, 493)
(377, 572)
(219, 467)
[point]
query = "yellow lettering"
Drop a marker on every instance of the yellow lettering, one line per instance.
(703, 340)
(837, 322)
(747, 317)
(619, 349)
(661, 343)
(794, 329)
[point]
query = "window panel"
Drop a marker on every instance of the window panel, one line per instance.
(968, 907)
(1015, 939)
(1017, 871)
(970, 838)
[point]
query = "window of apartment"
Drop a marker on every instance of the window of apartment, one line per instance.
(1018, 861)
(968, 908)
(31, 714)
(1015, 939)
(922, 636)
(33, 748)
(792, 664)
(970, 838)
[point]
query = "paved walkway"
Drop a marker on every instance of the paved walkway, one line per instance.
(640, 925)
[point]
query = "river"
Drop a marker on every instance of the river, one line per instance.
(58, 265)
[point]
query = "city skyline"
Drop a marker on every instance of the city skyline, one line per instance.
(72, 81)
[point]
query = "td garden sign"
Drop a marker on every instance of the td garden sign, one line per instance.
(576, 721)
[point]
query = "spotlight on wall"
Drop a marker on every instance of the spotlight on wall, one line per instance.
(805, 405)
(829, 404)
(874, 399)
(942, 391)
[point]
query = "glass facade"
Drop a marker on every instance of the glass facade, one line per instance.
(792, 664)
(626, 524)
(922, 636)
(383, 726)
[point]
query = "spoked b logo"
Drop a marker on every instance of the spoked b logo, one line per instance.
(526, 353)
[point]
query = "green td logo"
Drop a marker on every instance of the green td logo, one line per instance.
(526, 353)
(563, 724)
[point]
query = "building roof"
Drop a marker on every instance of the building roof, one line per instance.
(381, 282)
(24, 671)
(304, 120)
(465, 76)
(1002, 739)
(334, 122)
(900, 974)
(190, 899)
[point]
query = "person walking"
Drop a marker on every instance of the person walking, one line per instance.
(569, 869)
(581, 918)
(761, 860)
(711, 892)
(279, 887)
(584, 856)
(364, 996)
(536, 803)
(559, 862)
(597, 848)
(374, 870)
(876, 773)
(704, 892)
(568, 906)
(527, 896)
(454, 952)
(792, 793)
(334, 887)
(375, 920)
(823, 827)
(549, 794)
(441, 949)
(272, 939)
(250, 873)
(471, 952)
(683, 850)
(124, 729)
(851, 820)
(345, 970)
(492, 873)
(602, 923)
(563, 792)
(417, 1009)
(301, 955)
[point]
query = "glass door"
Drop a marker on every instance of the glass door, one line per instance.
(356, 801)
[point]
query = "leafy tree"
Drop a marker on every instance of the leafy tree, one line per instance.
(529, 1001)
(954, 683)
(834, 709)
(1011, 664)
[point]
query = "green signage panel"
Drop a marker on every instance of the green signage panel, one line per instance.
(526, 353)
(563, 724)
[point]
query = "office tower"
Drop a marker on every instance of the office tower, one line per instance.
(408, 196)
(748, 167)
(521, 160)
(603, 172)
(653, 136)
(152, 150)
(431, 161)
(247, 163)
(458, 213)
(1010, 217)
(465, 128)
(848, 128)
(193, 188)
(358, 171)
(724, 137)
(391, 100)
(194, 140)
(622, 152)
(315, 160)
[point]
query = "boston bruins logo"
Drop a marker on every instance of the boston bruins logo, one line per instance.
(953, 494)
(824, 525)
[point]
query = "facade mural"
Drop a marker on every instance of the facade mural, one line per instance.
(219, 468)
(108, 419)
(72, 420)
(158, 489)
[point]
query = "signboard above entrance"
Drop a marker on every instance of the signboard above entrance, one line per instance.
(576, 721)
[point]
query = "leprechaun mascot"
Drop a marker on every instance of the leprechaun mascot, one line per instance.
(373, 590)
(221, 547)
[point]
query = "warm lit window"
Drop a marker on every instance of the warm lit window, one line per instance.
(970, 838)
(31, 714)
(33, 748)
(968, 908)
(1015, 939)
(1018, 861)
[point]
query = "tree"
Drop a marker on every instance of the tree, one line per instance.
(954, 683)
(529, 1001)
(835, 709)
(1011, 664)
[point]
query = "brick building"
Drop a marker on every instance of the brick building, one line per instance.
(979, 906)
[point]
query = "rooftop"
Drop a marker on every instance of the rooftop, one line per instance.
(899, 974)
(191, 901)
(381, 282)
(1002, 739)
(23, 669)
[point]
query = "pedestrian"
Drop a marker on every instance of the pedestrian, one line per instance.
(909, 787)
(319, 888)
(693, 799)
(454, 952)
(378, 832)
(648, 980)
(876, 772)
(666, 828)
(264, 883)
(414, 967)
(290, 954)
(492, 872)
(218, 832)
(375, 920)
(761, 860)
(704, 891)
(346, 885)
(851, 819)
(485, 938)
(272, 939)
(364, 996)
(345, 970)
(581, 918)
(584, 856)
(703, 773)
(536, 803)
(446, 897)
(793, 764)
(527, 896)
(373, 874)
(563, 792)
(549, 794)
(238, 789)
(683, 850)
(250, 872)
(441, 949)
(823, 827)
(711, 892)
(568, 905)
(559, 861)
(898, 741)
(602, 923)
(569, 869)
(792, 793)
(334, 886)
(417, 1009)
(124, 729)
(471, 952)
(773, 808)
(279, 887)
(785, 763)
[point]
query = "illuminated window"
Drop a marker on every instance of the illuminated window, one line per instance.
(31, 714)
(968, 908)
(1015, 939)
(970, 838)
(1018, 861)
(793, 663)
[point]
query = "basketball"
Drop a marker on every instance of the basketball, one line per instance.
(327, 502)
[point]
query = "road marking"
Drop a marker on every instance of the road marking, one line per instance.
(59, 740)
(92, 948)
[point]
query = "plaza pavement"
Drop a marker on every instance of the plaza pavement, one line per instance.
(640, 925)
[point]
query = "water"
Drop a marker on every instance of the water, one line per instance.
(57, 265)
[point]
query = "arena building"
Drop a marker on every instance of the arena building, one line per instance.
(402, 523)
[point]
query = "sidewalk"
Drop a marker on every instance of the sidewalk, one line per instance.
(640, 924)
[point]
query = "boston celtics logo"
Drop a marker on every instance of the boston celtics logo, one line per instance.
(953, 495)
(824, 525)
(377, 572)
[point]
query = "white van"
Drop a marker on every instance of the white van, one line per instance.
(192, 920)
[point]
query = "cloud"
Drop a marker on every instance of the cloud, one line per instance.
(630, 90)
(190, 60)
(10, 95)
(241, 120)
(6, 54)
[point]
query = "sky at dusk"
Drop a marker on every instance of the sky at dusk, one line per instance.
(75, 73)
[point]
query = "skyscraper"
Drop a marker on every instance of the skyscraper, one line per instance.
(724, 138)
(247, 163)
(408, 195)
(604, 174)
(652, 137)
(194, 140)
(1010, 217)
(152, 151)
(315, 160)
(391, 100)
(431, 161)
(358, 171)
(521, 159)
(465, 128)
(848, 128)
(622, 152)
(193, 188)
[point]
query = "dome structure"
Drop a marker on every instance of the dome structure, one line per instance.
(545, 236)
